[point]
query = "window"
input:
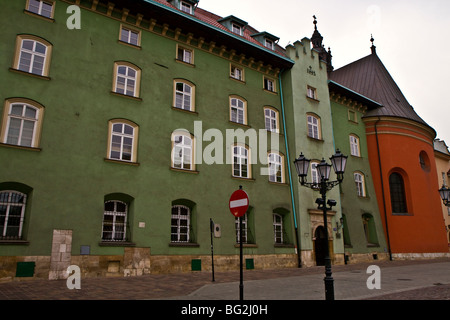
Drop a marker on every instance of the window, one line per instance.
(397, 191)
(241, 166)
(236, 73)
(271, 119)
(186, 7)
(235, 28)
(311, 93)
(278, 228)
(12, 211)
(369, 229)
(32, 55)
(182, 151)
(354, 146)
(237, 222)
(360, 184)
(315, 178)
(126, 79)
(42, 8)
(130, 36)
(123, 135)
(313, 126)
(238, 110)
(268, 44)
(269, 84)
(22, 121)
(424, 161)
(276, 168)
(185, 55)
(114, 221)
(352, 116)
(180, 223)
(184, 95)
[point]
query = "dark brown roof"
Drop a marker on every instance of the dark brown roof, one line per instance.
(369, 77)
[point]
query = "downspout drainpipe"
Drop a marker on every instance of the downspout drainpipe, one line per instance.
(299, 252)
(382, 189)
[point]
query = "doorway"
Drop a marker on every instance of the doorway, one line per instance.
(320, 245)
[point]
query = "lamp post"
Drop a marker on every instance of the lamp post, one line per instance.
(339, 162)
(445, 195)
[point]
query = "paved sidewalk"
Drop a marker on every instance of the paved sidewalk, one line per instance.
(416, 280)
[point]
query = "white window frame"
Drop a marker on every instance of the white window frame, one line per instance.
(269, 84)
(354, 146)
(40, 9)
(241, 162)
(186, 7)
(35, 56)
(311, 92)
(119, 146)
(276, 167)
(184, 98)
(360, 184)
(128, 80)
(185, 55)
(182, 151)
(278, 228)
(271, 120)
(244, 228)
(238, 110)
(178, 218)
(237, 73)
(313, 126)
(315, 176)
(236, 28)
(6, 200)
(126, 36)
(268, 44)
(115, 224)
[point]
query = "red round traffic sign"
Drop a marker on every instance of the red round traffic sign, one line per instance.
(239, 203)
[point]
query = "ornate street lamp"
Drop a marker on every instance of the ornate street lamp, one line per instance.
(339, 161)
(445, 195)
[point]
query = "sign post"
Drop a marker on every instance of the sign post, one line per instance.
(211, 227)
(238, 207)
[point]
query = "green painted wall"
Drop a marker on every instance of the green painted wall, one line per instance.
(354, 207)
(69, 176)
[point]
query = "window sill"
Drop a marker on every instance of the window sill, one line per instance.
(136, 164)
(184, 170)
(279, 183)
(312, 99)
(402, 214)
(126, 96)
(129, 45)
(185, 63)
(242, 179)
(14, 242)
(271, 92)
(240, 124)
(315, 139)
(185, 111)
(20, 147)
(116, 244)
(29, 74)
(38, 16)
(238, 80)
(184, 244)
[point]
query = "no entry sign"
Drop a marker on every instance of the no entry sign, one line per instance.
(239, 203)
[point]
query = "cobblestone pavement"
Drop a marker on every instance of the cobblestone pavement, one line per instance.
(183, 286)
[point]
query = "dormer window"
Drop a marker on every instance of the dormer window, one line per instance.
(235, 25)
(266, 39)
(187, 6)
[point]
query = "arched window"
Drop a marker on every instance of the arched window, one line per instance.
(271, 119)
(241, 163)
(354, 146)
(123, 136)
(33, 55)
(127, 79)
(313, 126)
(182, 151)
(184, 95)
(276, 167)
(23, 122)
(369, 229)
(398, 196)
(360, 184)
(180, 223)
(12, 211)
(114, 221)
(238, 110)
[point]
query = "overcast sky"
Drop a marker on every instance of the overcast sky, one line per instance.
(412, 40)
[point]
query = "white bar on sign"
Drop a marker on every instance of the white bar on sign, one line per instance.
(238, 203)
